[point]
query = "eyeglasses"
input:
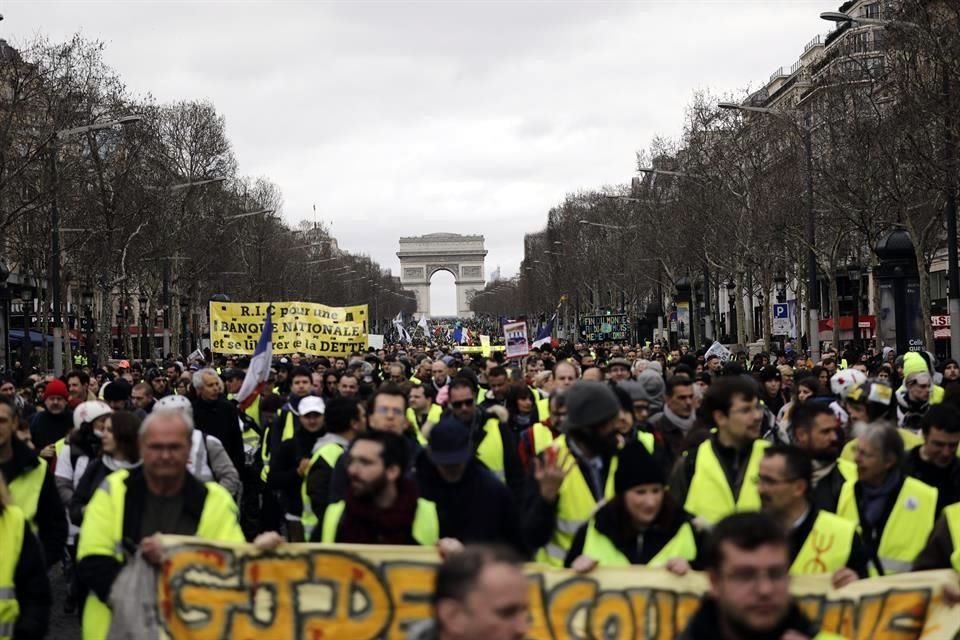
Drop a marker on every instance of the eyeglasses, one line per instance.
(462, 404)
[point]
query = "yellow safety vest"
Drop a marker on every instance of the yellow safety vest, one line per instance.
(910, 441)
(481, 395)
(827, 547)
(952, 515)
(490, 451)
(330, 452)
(543, 404)
(25, 491)
(575, 505)
(433, 417)
(601, 548)
(905, 532)
(710, 495)
(253, 410)
(102, 535)
(288, 430)
(648, 440)
(542, 438)
(847, 469)
(59, 445)
(425, 529)
(11, 539)
(414, 380)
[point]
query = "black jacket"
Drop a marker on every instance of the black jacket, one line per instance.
(477, 509)
(512, 467)
(219, 418)
(51, 519)
(284, 462)
(46, 428)
(612, 521)
(32, 588)
(826, 493)
(945, 480)
(705, 624)
(97, 573)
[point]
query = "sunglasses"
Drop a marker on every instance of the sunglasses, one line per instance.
(462, 404)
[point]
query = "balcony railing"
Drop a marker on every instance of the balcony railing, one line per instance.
(777, 74)
(816, 42)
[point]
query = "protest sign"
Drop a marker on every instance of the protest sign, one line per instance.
(614, 327)
(305, 327)
(207, 592)
(515, 336)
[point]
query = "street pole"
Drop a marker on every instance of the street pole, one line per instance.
(813, 293)
(707, 315)
(166, 308)
(950, 211)
(55, 268)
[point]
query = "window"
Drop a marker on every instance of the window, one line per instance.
(871, 10)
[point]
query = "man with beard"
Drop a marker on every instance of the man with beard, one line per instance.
(719, 477)
(571, 477)
(381, 505)
(815, 432)
(784, 486)
(749, 570)
(284, 427)
(935, 461)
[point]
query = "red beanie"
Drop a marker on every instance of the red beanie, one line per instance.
(56, 388)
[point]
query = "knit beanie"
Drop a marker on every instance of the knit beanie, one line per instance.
(635, 466)
(652, 387)
(56, 388)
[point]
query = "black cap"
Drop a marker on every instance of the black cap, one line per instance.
(232, 374)
(449, 442)
(117, 390)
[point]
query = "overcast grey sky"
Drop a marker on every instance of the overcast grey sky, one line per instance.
(404, 118)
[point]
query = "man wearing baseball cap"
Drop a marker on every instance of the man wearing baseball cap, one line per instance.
(574, 474)
(290, 463)
(473, 505)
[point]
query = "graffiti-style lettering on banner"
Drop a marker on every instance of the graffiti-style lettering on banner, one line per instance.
(207, 592)
(305, 327)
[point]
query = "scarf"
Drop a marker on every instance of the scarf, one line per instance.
(875, 499)
(364, 522)
(684, 424)
(821, 469)
(115, 465)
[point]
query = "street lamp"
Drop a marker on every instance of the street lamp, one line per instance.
(813, 293)
(853, 274)
(54, 281)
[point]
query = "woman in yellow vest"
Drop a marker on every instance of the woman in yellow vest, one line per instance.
(640, 525)
(24, 589)
(894, 514)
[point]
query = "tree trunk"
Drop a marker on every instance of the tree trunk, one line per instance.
(751, 330)
(835, 312)
(741, 315)
(102, 321)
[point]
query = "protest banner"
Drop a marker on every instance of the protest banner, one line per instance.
(208, 592)
(614, 327)
(515, 336)
(305, 327)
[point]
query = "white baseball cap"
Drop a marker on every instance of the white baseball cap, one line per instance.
(311, 404)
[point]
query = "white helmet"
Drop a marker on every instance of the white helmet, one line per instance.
(842, 382)
(174, 403)
(89, 411)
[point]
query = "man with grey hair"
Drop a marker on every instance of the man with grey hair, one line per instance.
(134, 507)
(216, 416)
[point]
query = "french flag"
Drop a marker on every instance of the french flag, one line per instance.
(545, 334)
(255, 382)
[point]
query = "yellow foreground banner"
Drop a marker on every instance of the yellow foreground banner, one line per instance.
(305, 327)
(311, 591)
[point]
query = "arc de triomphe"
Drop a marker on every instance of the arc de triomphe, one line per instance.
(422, 256)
